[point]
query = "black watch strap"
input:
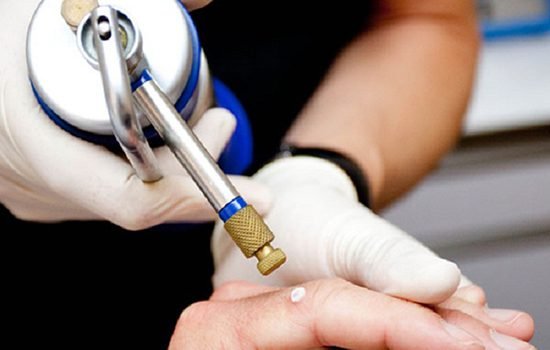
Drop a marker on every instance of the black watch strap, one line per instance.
(350, 167)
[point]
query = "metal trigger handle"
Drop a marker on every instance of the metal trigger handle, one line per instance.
(118, 94)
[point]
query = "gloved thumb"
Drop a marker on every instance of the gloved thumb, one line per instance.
(254, 193)
(394, 263)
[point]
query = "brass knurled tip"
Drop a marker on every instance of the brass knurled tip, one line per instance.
(271, 261)
(253, 236)
(73, 11)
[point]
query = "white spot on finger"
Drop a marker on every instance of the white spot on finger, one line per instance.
(297, 294)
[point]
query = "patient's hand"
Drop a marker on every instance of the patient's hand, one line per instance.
(467, 309)
(332, 312)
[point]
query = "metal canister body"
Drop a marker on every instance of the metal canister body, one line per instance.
(70, 90)
(146, 52)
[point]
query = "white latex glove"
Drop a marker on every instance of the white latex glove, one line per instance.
(325, 232)
(48, 175)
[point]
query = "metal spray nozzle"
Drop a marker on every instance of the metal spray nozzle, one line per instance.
(105, 50)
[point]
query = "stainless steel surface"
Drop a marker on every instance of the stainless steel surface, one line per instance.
(118, 95)
(73, 89)
(185, 145)
(203, 97)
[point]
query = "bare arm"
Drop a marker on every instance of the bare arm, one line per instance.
(394, 99)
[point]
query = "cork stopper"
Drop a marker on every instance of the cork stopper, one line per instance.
(73, 11)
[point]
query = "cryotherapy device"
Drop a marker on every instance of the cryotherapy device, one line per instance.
(131, 75)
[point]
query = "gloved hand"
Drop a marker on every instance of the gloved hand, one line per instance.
(326, 232)
(48, 175)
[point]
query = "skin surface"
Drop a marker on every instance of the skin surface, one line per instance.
(333, 312)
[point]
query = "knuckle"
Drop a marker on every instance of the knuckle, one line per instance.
(454, 316)
(324, 297)
(194, 205)
(323, 292)
(226, 289)
(194, 315)
(477, 295)
(142, 213)
(133, 218)
(20, 212)
(211, 322)
(330, 288)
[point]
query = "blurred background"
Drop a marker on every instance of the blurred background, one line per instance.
(487, 206)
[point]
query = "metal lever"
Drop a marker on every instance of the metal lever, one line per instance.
(118, 94)
(242, 222)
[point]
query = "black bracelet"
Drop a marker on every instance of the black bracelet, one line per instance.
(350, 167)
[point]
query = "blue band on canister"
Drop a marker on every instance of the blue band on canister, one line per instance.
(237, 155)
(143, 78)
(108, 141)
(232, 208)
(193, 79)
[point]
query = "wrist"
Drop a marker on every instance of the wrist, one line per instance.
(350, 167)
(286, 173)
(344, 165)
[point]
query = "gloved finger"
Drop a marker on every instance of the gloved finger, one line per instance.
(181, 200)
(402, 266)
(491, 338)
(511, 322)
(464, 281)
(214, 130)
(195, 4)
(253, 192)
(43, 210)
(171, 199)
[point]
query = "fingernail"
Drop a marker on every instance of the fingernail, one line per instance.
(460, 334)
(509, 343)
(503, 315)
